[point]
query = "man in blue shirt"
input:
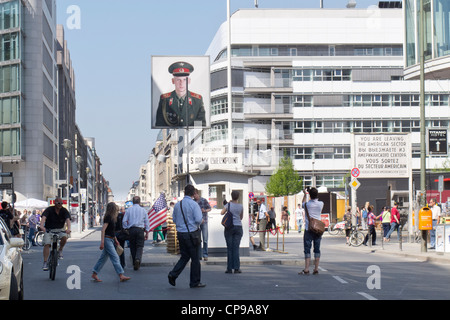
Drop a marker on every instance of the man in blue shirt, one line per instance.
(187, 217)
(136, 222)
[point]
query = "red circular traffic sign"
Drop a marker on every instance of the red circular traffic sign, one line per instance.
(355, 172)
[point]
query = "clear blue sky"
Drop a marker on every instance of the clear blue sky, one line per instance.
(111, 55)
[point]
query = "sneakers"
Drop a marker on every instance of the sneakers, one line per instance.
(45, 266)
(60, 255)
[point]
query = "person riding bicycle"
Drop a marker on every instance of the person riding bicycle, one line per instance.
(54, 218)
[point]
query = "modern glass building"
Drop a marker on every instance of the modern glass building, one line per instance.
(436, 38)
(28, 96)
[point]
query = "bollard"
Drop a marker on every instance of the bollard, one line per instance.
(400, 243)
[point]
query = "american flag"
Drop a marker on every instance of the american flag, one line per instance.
(158, 214)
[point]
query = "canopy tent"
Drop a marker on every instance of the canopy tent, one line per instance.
(31, 204)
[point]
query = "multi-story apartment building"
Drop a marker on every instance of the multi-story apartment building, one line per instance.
(303, 81)
(28, 97)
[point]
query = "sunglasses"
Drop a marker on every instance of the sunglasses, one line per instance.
(58, 203)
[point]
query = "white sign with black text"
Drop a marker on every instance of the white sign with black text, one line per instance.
(382, 155)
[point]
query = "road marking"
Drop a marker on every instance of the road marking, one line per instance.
(367, 296)
(322, 269)
(340, 279)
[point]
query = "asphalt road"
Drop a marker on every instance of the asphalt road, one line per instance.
(345, 274)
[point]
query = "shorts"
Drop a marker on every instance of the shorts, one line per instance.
(48, 235)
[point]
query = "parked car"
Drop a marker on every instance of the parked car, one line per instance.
(11, 265)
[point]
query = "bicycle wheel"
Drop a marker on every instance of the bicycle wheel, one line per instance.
(52, 264)
(26, 244)
(39, 238)
(356, 239)
(253, 229)
(332, 230)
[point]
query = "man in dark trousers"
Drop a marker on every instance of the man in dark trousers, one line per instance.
(187, 217)
(136, 222)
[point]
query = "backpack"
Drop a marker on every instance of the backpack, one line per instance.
(364, 213)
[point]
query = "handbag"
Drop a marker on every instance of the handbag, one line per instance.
(315, 226)
(195, 236)
(119, 249)
(227, 220)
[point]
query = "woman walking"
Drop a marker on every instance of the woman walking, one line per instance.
(107, 244)
(233, 234)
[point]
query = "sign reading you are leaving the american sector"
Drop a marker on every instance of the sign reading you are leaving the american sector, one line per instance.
(382, 155)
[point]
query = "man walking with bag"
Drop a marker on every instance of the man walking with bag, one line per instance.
(187, 217)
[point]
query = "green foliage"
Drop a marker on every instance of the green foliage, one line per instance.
(285, 181)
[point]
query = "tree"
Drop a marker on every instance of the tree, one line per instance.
(285, 181)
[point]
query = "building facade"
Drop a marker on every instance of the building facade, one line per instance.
(304, 81)
(436, 15)
(29, 106)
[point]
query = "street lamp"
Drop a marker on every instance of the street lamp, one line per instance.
(67, 144)
(79, 161)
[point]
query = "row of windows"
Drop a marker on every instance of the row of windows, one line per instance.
(322, 153)
(312, 50)
(10, 78)
(10, 110)
(9, 15)
(322, 74)
(9, 142)
(9, 46)
(368, 126)
(397, 100)
(370, 100)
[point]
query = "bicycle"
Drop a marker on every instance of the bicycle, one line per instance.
(336, 228)
(356, 237)
(253, 228)
(26, 242)
(53, 257)
(39, 238)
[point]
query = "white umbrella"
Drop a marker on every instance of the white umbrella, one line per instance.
(31, 204)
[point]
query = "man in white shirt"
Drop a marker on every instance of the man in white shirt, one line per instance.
(299, 217)
(263, 218)
(435, 216)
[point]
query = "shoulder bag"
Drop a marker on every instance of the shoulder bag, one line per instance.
(227, 220)
(315, 226)
(195, 236)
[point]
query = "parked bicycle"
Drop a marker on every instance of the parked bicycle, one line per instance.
(336, 228)
(253, 228)
(356, 237)
(39, 237)
(53, 257)
(26, 242)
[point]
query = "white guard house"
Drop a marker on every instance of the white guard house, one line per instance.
(216, 176)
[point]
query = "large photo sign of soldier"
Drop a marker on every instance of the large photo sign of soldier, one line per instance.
(180, 92)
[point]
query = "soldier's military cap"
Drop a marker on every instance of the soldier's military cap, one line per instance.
(181, 68)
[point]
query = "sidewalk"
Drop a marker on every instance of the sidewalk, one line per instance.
(291, 254)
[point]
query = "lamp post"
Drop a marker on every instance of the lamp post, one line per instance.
(67, 144)
(79, 160)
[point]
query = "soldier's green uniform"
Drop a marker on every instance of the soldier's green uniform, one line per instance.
(174, 111)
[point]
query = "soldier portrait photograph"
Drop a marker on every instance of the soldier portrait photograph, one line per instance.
(180, 100)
